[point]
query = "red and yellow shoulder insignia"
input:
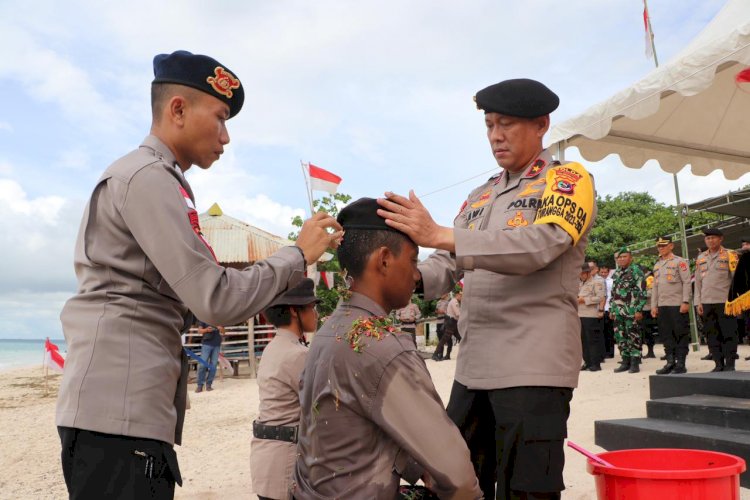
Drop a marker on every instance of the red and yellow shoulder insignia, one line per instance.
(568, 200)
(683, 266)
(565, 180)
(223, 82)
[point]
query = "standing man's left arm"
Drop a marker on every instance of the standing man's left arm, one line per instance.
(684, 267)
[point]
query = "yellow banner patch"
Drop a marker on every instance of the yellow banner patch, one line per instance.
(568, 200)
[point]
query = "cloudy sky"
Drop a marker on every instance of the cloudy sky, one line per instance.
(378, 92)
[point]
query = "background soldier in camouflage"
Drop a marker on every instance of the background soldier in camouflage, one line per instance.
(626, 304)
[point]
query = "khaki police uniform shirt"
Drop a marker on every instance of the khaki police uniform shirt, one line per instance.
(671, 282)
(272, 461)
(454, 309)
(520, 286)
(593, 292)
(713, 275)
(367, 413)
(142, 265)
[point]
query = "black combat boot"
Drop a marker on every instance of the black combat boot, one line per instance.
(729, 364)
(634, 362)
(679, 366)
(448, 352)
(719, 365)
(650, 353)
(708, 357)
(729, 351)
(624, 365)
(668, 367)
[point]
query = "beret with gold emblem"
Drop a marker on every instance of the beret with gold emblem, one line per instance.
(520, 97)
(712, 231)
(203, 73)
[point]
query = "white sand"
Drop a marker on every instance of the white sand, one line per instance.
(215, 456)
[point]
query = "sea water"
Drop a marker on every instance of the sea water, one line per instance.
(16, 353)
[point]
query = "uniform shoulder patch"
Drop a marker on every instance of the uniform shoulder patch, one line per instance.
(535, 169)
(568, 199)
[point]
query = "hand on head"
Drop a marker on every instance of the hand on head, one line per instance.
(314, 237)
(409, 216)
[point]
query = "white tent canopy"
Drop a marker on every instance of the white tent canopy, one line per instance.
(689, 111)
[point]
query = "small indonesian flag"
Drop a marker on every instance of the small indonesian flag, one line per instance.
(52, 357)
(323, 180)
(742, 77)
(327, 279)
(649, 33)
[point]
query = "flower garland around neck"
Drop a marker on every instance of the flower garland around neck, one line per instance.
(373, 326)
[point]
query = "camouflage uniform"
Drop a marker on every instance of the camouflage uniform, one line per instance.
(628, 298)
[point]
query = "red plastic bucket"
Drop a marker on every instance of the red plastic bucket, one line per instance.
(667, 474)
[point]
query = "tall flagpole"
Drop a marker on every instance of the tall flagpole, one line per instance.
(307, 186)
(681, 209)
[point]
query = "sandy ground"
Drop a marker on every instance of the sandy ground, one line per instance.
(215, 456)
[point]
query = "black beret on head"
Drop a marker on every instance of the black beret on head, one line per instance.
(363, 214)
(300, 295)
(203, 73)
(712, 231)
(520, 97)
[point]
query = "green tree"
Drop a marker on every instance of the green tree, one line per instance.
(328, 297)
(630, 217)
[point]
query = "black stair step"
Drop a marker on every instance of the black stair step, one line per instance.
(719, 411)
(632, 433)
(730, 384)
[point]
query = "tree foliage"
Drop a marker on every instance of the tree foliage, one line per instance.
(629, 218)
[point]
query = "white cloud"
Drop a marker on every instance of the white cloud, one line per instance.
(6, 126)
(31, 315)
(77, 158)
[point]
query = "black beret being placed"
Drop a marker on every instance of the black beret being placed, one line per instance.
(520, 97)
(363, 214)
(203, 73)
(712, 231)
(300, 295)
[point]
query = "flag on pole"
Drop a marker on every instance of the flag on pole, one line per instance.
(52, 357)
(323, 180)
(649, 33)
(327, 278)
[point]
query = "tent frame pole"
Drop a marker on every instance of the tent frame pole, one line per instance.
(682, 211)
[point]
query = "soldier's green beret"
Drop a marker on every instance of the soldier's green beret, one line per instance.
(518, 97)
(622, 250)
(203, 73)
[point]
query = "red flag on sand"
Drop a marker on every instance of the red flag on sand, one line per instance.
(323, 180)
(52, 357)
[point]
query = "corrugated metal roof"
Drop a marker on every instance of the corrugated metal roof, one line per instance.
(236, 241)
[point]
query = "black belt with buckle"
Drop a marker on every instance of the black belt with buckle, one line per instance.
(276, 432)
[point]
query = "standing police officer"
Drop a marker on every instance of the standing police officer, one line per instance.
(626, 305)
(714, 269)
(670, 302)
(590, 296)
(519, 241)
(142, 265)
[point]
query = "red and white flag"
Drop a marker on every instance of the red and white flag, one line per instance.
(649, 33)
(323, 180)
(52, 357)
(327, 279)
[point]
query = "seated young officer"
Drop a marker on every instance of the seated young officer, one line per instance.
(273, 451)
(370, 413)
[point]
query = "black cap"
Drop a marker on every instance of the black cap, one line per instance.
(745, 240)
(203, 73)
(520, 97)
(712, 231)
(663, 240)
(363, 214)
(300, 295)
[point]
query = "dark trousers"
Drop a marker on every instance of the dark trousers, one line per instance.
(106, 466)
(649, 329)
(591, 341)
(608, 336)
(450, 329)
(721, 332)
(515, 437)
(674, 329)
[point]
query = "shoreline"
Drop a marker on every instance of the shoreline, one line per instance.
(215, 456)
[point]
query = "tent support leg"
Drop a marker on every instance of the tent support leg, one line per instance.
(682, 214)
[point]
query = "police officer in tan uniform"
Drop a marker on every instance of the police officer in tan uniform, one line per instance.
(714, 269)
(142, 266)
(670, 302)
(519, 242)
(370, 413)
(590, 295)
(274, 448)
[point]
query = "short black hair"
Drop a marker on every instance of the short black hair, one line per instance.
(161, 93)
(358, 245)
(280, 315)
